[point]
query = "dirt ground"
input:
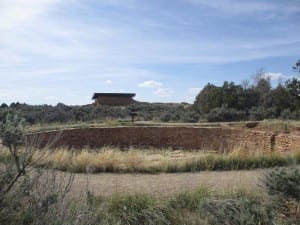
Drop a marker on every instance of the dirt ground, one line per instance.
(165, 184)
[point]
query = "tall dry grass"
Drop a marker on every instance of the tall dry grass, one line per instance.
(161, 160)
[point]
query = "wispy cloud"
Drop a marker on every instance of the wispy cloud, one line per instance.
(150, 84)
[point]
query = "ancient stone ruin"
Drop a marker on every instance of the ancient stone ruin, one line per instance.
(216, 139)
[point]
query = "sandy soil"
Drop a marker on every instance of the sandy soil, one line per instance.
(166, 184)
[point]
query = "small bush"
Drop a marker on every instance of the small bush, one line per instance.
(165, 117)
(189, 200)
(191, 117)
(238, 211)
(284, 182)
(223, 114)
(287, 114)
(136, 210)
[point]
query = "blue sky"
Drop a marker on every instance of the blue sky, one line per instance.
(164, 51)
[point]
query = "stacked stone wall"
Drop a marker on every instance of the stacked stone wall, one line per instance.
(217, 139)
(287, 142)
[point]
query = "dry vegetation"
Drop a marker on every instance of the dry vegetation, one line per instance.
(158, 160)
(30, 195)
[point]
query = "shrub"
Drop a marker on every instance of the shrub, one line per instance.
(238, 211)
(287, 114)
(136, 210)
(189, 200)
(260, 113)
(284, 182)
(191, 117)
(165, 117)
(224, 114)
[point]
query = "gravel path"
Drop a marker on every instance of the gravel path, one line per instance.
(165, 184)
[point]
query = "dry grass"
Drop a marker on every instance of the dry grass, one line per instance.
(115, 160)
(161, 160)
(110, 159)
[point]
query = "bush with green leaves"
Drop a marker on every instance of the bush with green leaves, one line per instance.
(239, 211)
(136, 210)
(224, 114)
(190, 117)
(283, 182)
(189, 200)
(165, 117)
(12, 131)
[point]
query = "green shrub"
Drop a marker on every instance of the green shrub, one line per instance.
(165, 117)
(137, 209)
(189, 200)
(284, 182)
(223, 114)
(238, 211)
(190, 117)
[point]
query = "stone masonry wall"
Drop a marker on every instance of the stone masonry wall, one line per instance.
(218, 139)
(287, 142)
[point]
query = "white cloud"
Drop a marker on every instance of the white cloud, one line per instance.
(273, 76)
(150, 84)
(108, 82)
(164, 92)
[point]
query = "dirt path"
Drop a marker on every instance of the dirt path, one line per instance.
(166, 184)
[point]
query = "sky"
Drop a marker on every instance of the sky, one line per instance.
(164, 51)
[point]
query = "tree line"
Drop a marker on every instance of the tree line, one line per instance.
(258, 101)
